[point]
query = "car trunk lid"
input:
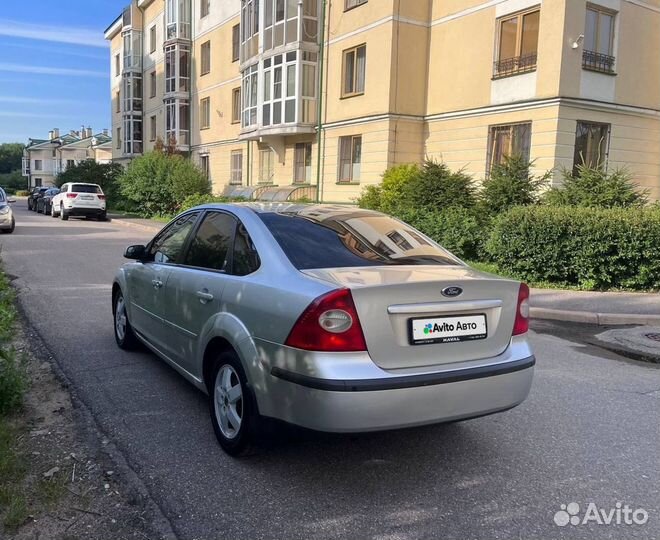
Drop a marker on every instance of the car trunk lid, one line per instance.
(396, 305)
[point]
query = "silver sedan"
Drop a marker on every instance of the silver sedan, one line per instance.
(328, 317)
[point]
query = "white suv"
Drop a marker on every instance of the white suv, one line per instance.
(79, 199)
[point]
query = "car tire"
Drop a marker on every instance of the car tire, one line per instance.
(11, 230)
(103, 217)
(63, 215)
(52, 211)
(124, 335)
(230, 396)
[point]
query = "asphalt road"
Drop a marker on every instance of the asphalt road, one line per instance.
(589, 431)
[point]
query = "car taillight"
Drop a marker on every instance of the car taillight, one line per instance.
(521, 325)
(330, 324)
(71, 195)
(101, 197)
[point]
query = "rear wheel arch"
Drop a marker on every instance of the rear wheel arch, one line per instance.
(213, 349)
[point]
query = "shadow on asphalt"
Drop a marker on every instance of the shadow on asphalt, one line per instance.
(53, 233)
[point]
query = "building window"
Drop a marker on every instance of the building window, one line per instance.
(152, 84)
(38, 165)
(355, 60)
(177, 68)
(205, 113)
(591, 145)
(249, 95)
(177, 121)
(152, 128)
(70, 163)
(204, 165)
(117, 65)
(506, 141)
(235, 42)
(266, 166)
(350, 158)
(177, 19)
(206, 57)
(236, 176)
(235, 105)
(518, 37)
(204, 8)
(118, 137)
(350, 4)
(132, 135)
(599, 40)
(302, 172)
(132, 90)
(152, 39)
(117, 101)
(37, 182)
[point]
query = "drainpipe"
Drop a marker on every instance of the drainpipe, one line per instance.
(248, 179)
(143, 42)
(190, 63)
(319, 111)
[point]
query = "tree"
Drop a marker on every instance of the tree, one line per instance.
(511, 183)
(91, 172)
(157, 183)
(11, 157)
(13, 181)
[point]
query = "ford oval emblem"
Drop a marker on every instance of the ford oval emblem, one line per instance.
(452, 291)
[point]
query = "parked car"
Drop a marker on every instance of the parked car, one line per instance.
(34, 195)
(43, 203)
(329, 317)
(79, 199)
(7, 222)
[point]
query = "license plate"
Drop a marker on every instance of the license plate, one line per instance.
(87, 197)
(449, 329)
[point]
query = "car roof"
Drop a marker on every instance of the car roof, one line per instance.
(82, 184)
(293, 208)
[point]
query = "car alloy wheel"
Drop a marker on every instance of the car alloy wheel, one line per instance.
(124, 335)
(228, 399)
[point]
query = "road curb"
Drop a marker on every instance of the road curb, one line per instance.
(589, 317)
(133, 225)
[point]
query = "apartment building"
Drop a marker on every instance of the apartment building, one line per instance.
(316, 98)
(44, 159)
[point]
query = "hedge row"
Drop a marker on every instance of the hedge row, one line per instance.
(593, 248)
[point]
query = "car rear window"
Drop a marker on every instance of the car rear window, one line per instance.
(352, 239)
(85, 188)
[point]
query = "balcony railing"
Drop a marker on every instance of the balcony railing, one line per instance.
(514, 66)
(594, 61)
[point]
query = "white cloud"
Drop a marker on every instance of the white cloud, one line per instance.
(59, 34)
(43, 70)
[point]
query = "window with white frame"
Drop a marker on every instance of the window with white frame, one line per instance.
(236, 173)
(177, 17)
(350, 158)
(350, 4)
(354, 70)
(279, 89)
(205, 113)
(177, 121)
(177, 68)
(302, 172)
(281, 22)
(132, 135)
(249, 95)
(132, 49)
(506, 141)
(204, 164)
(598, 52)
(266, 166)
(204, 8)
(132, 88)
(206, 57)
(38, 165)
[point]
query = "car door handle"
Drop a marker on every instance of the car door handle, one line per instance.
(204, 296)
(157, 283)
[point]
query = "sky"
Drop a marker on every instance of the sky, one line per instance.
(54, 66)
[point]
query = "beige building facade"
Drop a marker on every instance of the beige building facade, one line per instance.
(252, 89)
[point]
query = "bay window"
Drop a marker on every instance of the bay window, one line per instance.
(177, 121)
(177, 17)
(177, 68)
(249, 94)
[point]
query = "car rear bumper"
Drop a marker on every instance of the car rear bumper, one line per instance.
(395, 400)
(85, 211)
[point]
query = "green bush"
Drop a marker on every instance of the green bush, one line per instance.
(596, 188)
(13, 181)
(13, 380)
(593, 248)
(457, 229)
(510, 184)
(195, 200)
(157, 183)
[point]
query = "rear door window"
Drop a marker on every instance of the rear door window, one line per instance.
(85, 188)
(350, 239)
(210, 248)
(245, 258)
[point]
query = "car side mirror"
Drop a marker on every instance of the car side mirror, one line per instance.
(137, 253)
